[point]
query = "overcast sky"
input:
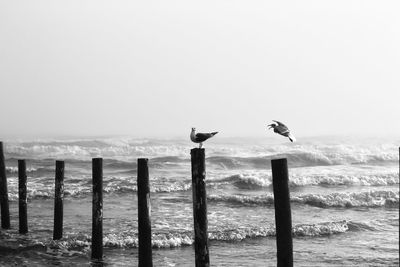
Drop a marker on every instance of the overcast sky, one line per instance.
(158, 68)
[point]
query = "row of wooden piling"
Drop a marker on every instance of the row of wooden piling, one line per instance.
(198, 169)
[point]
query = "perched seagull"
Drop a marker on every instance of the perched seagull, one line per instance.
(282, 129)
(200, 137)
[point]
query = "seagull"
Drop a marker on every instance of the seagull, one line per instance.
(282, 129)
(200, 137)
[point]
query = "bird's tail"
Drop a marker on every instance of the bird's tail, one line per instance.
(291, 138)
(214, 133)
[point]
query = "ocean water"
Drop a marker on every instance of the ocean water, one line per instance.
(344, 199)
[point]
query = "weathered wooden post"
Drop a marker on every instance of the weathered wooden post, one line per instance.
(5, 210)
(283, 216)
(22, 197)
(58, 200)
(97, 209)
(200, 207)
(144, 213)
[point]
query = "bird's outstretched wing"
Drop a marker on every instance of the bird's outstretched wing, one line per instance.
(281, 128)
(280, 123)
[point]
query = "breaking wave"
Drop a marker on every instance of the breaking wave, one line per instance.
(43, 187)
(81, 243)
(13, 170)
(372, 199)
(373, 179)
(254, 179)
(223, 155)
(178, 239)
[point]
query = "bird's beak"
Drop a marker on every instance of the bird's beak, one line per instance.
(270, 126)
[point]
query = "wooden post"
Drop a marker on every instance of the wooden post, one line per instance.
(5, 210)
(200, 207)
(283, 217)
(58, 200)
(22, 200)
(144, 213)
(97, 209)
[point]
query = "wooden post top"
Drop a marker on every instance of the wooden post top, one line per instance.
(280, 159)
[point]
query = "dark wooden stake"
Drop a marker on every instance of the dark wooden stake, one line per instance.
(5, 210)
(200, 207)
(22, 200)
(144, 213)
(97, 209)
(58, 200)
(283, 216)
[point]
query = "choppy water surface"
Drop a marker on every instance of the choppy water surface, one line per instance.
(344, 196)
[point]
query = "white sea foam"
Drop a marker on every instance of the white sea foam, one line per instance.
(128, 239)
(321, 229)
(371, 198)
(322, 176)
(43, 187)
(14, 170)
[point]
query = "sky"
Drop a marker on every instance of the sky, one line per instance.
(158, 68)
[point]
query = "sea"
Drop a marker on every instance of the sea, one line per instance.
(344, 194)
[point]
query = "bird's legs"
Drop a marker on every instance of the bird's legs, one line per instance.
(201, 144)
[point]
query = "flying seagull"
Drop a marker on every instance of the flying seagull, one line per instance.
(282, 129)
(200, 137)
